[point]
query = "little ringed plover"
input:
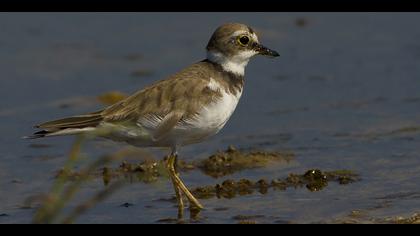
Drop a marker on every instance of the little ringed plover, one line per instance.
(183, 109)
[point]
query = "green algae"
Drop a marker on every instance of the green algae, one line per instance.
(313, 180)
(232, 160)
(363, 217)
(112, 97)
(149, 170)
(221, 164)
(413, 219)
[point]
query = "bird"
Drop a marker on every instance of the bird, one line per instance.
(182, 109)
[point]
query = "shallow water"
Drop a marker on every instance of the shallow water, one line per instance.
(344, 94)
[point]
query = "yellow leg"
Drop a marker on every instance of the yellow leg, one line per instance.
(178, 194)
(178, 184)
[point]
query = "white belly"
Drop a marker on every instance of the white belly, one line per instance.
(209, 121)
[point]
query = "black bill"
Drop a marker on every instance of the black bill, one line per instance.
(262, 50)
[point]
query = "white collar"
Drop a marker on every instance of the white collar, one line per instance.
(235, 64)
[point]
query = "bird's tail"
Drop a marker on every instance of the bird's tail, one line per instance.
(67, 126)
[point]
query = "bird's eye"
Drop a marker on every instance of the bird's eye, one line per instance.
(243, 40)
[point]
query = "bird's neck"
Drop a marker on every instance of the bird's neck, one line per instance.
(235, 64)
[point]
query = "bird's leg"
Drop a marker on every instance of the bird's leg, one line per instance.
(193, 201)
(178, 183)
(172, 172)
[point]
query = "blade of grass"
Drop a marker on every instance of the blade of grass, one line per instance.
(52, 205)
(90, 203)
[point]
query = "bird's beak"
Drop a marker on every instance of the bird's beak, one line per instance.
(262, 50)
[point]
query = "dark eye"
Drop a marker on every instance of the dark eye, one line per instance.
(243, 40)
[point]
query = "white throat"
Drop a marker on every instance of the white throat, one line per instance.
(235, 64)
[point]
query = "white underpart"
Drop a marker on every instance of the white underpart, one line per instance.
(215, 115)
(211, 118)
(235, 64)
